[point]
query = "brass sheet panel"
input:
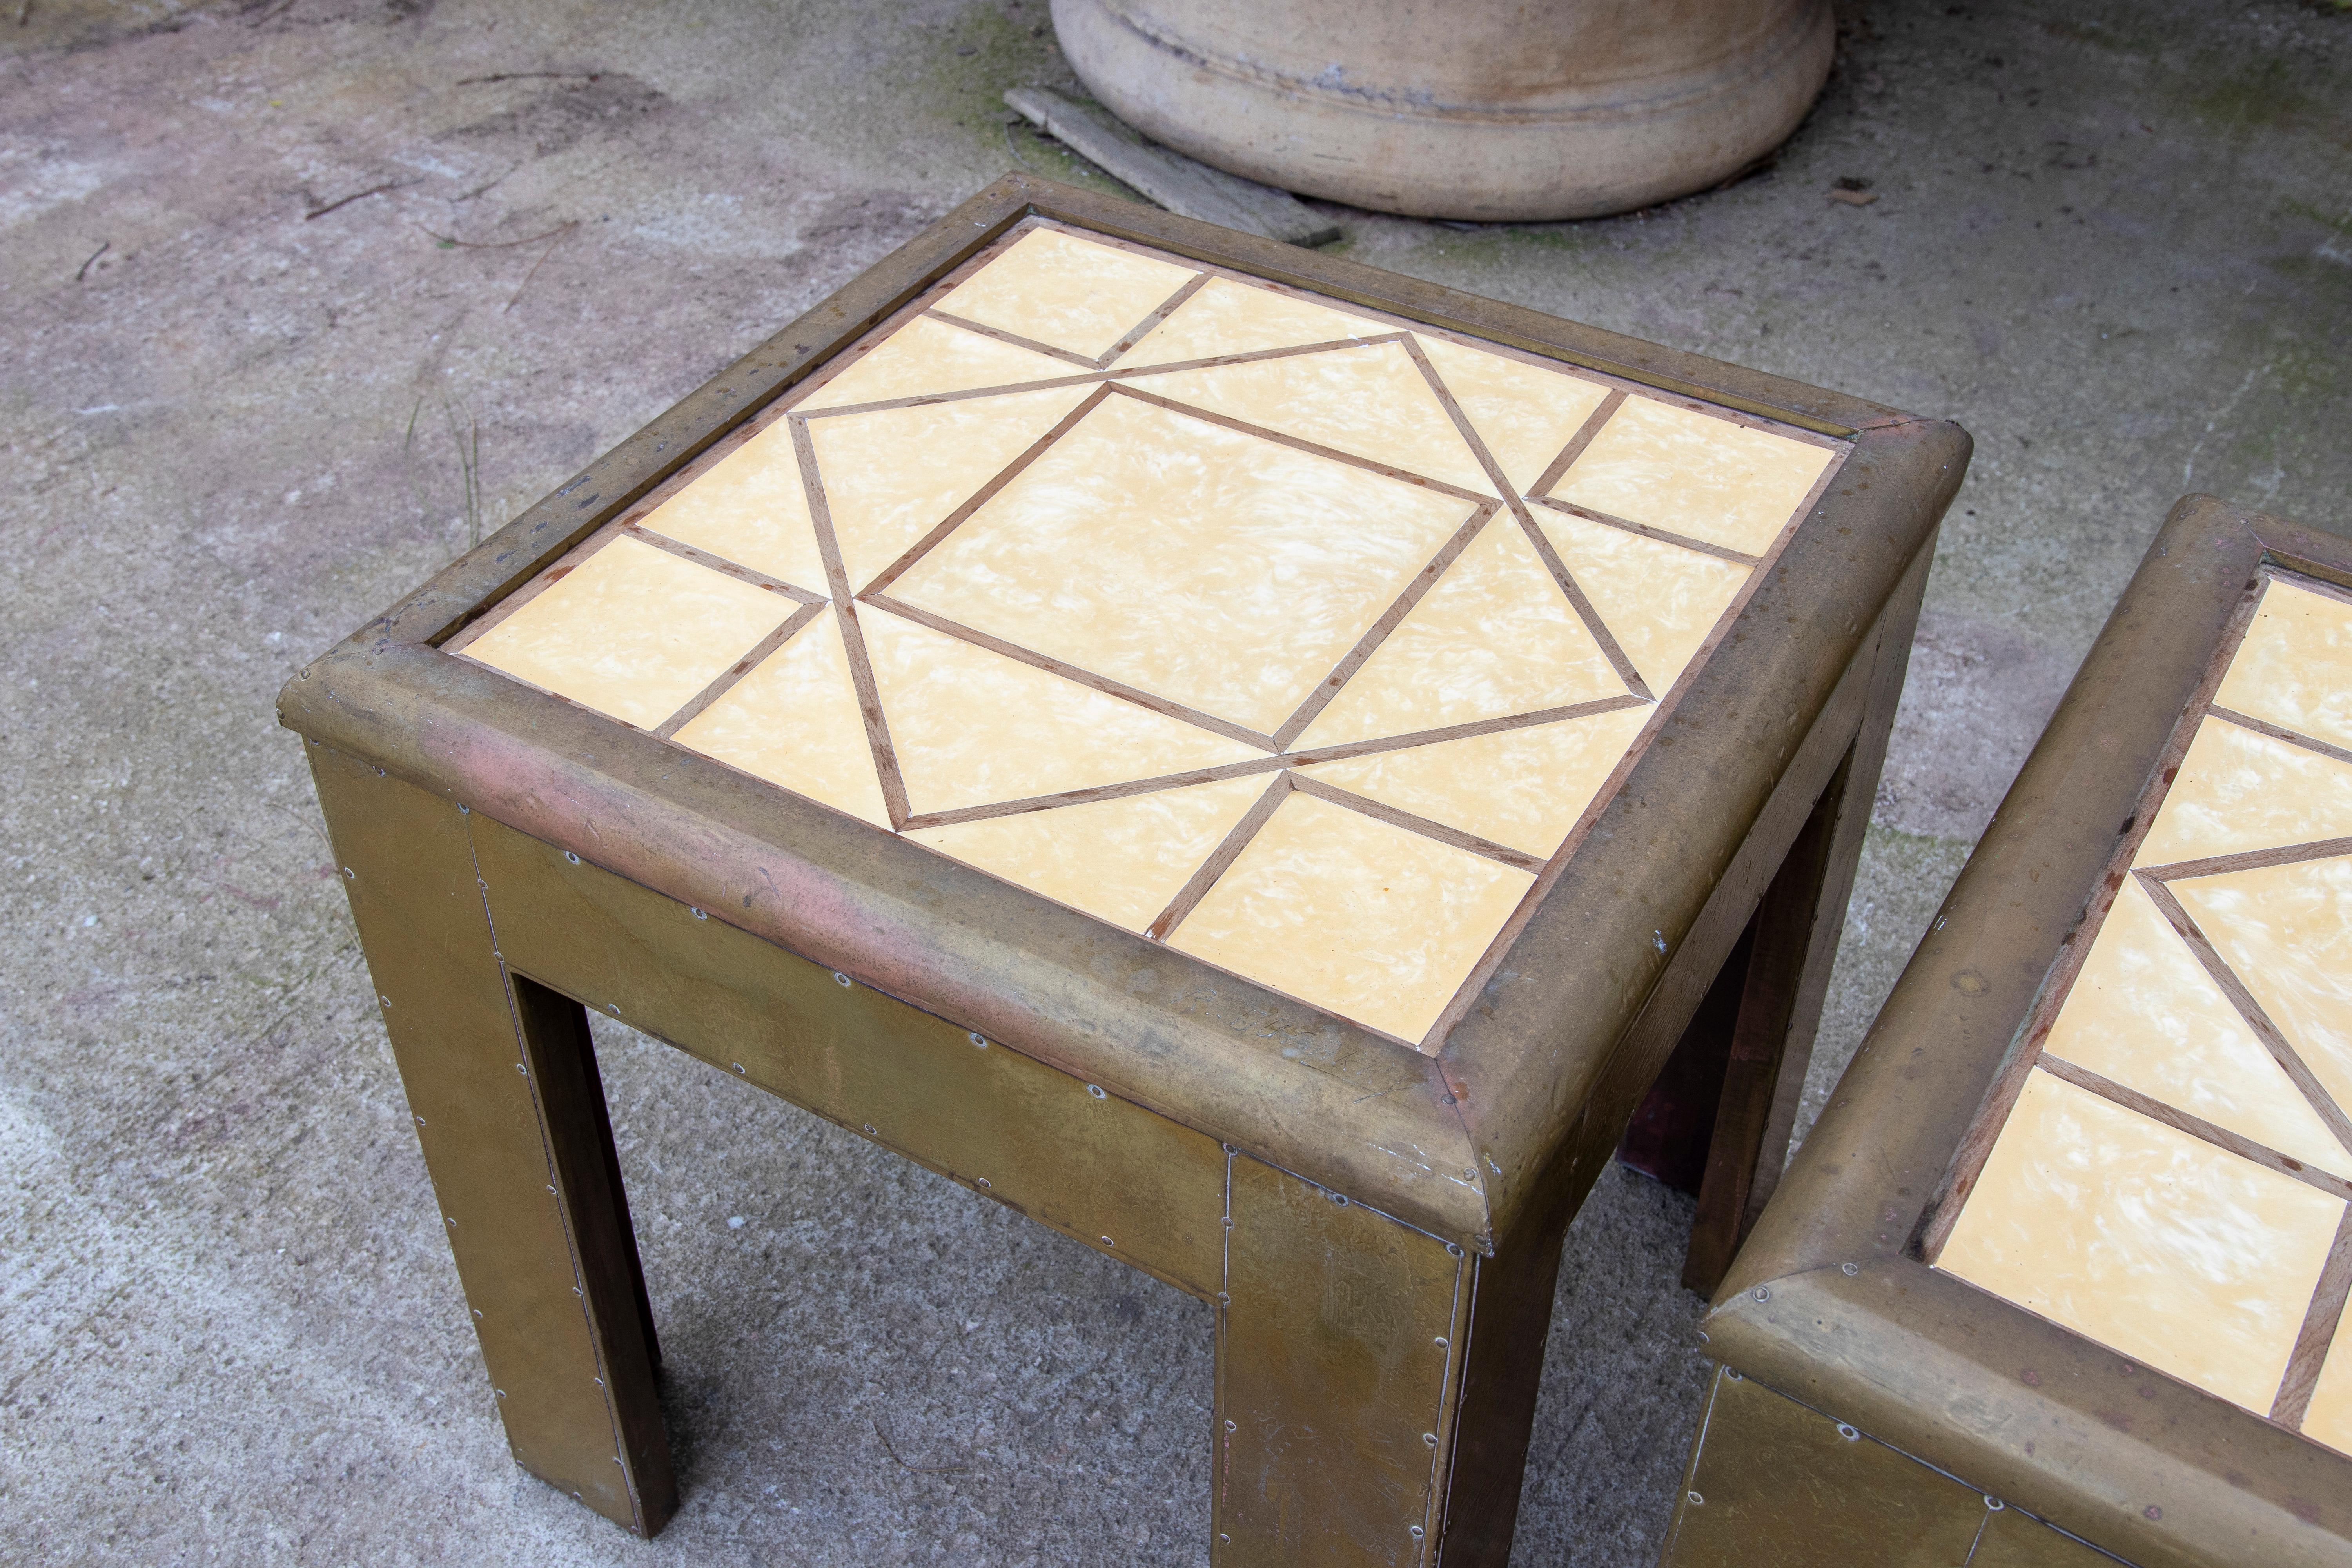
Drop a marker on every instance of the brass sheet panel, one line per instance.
(420, 918)
(1118, 1177)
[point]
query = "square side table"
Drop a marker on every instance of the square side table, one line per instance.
(2064, 1266)
(1252, 761)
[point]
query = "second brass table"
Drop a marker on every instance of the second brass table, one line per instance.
(1251, 760)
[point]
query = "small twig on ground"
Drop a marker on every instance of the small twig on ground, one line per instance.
(469, 466)
(83, 271)
(497, 244)
(530, 76)
(354, 197)
(1015, 151)
(535, 266)
(892, 1450)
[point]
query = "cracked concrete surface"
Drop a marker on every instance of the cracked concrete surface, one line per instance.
(298, 295)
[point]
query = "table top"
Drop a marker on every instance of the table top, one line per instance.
(1298, 637)
(2170, 1177)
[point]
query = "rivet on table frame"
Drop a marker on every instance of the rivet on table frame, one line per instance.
(700, 915)
(738, 1067)
(1993, 1503)
(1107, 1241)
(420, 1121)
(479, 883)
(477, 1315)
(351, 875)
(1430, 1439)
(1735, 1374)
(979, 1039)
(1230, 1149)
(1848, 1432)
(981, 1183)
(1416, 1532)
(614, 1008)
(551, 1189)
(1850, 1268)
(1096, 1089)
(869, 1130)
(583, 1296)
(499, 1392)
(1340, 1198)
(450, 1217)
(1232, 1426)
(1453, 1249)
(1440, 1342)
(1695, 1500)
(1229, 1222)
(465, 810)
(839, 978)
(1223, 1299)
(1761, 1293)
(568, 855)
(386, 1000)
(524, 1069)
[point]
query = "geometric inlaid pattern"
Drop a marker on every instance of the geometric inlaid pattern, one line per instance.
(1294, 637)
(2167, 1168)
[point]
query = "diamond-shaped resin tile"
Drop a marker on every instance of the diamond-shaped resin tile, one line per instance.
(1217, 569)
(2286, 932)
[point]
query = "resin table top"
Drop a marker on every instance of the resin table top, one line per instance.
(2171, 1180)
(1298, 640)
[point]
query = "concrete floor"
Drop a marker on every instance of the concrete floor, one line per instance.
(238, 417)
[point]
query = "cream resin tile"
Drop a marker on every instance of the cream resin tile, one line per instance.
(2329, 1417)
(1521, 788)
(795, 721)
(1524, 415)
(926, 357)
(1226, 572)
(971, 727)
(1371, 402)
(749, 508)
(2295, 667)
(1495, 636)
(1054, 288)
(2286, 932)
(633, 631)
(2144, 1012)
(2156, 1244)
(1120, 860)
(1371, 922)
(1230, 318)
(2238, 790)
(1659, 600)
(1695, 475)
(892, 474)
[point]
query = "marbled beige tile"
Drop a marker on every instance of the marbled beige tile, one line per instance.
(1495, 636)
(926, 357)
(2238, 790)
(1371, 402)
(971, 727)
(633, 631)
(1525, 415)
(1659, 600)
(2144, 1012)
(2286, 932)
(1695, 475)
(1367, 920)
(2329, 1417)
(1230, 318)
(749, 508)
(2157, 1244)
(1056, 288)
(892, 474)
(1227, 573)
(2294, 667)
(1521, 788)
(1119, 860)
(795, 721)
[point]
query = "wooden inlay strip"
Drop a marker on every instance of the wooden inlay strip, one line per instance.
(1015, 338)
(2272, 1037)
(1662, 536)
(2195, 1126)
(2280, 733)
(810, 609)
(1046, 662)
(1142, 329)
(983, 495)
(1205, 874)
(720, 564)
(2318, 1331)
(1381, 811)
(2248, 860)
(1558, 468)
(1378, 632)
(1610, 648)
(1330, 454)
(853, 638)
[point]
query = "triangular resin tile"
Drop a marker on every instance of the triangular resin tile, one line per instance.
(1524, 415)
(1694, 474)
(1340, 910)
(2286, 932)
(1371, 402)
(2238, 790)
(1230, 318)
(2138, 1236)
(2144, 1012)
(1495, 636)
(633, 631)
(927, 357)
(795, 721)
(1521, 788)
(1222, 570)
(1121, 860)
(2294, 667)
(891, 474)
(749, 508)
(972, 728)
(1659, 601)
(1073, 294)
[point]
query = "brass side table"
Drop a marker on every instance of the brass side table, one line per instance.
(1250, 760)
(2059, 1276)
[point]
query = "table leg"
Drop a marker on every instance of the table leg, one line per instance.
(502, 1083)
